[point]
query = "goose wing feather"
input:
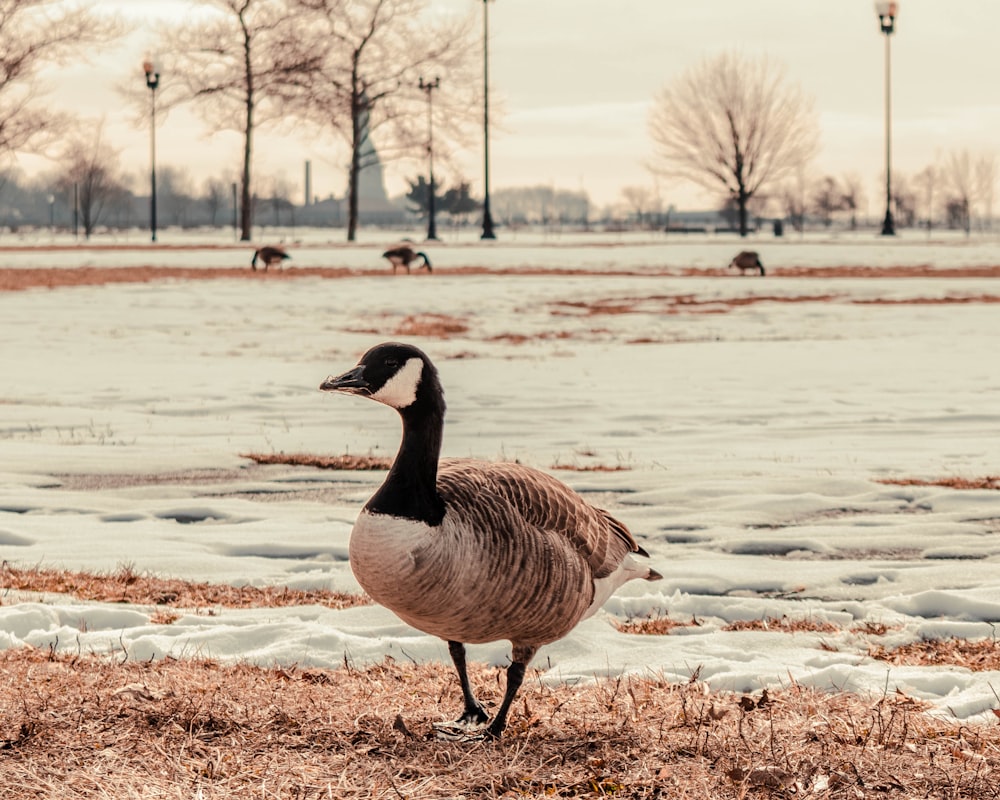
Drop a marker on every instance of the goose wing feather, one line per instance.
(543, 503)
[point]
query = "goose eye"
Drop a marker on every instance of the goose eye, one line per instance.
(392, 363)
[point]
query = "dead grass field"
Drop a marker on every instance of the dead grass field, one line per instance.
(74, 727)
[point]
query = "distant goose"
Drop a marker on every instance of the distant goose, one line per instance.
(474, 551)
(747, 260)
(269, 256)
(404, 256)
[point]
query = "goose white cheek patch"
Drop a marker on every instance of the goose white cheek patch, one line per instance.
(401, 389)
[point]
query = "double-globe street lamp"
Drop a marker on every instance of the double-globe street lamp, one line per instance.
(887, 13)
(152, 81)
(487, 217)
(428, 88)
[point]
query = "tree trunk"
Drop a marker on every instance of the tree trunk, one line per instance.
(741, 200)
(246, 212)
(354, 172)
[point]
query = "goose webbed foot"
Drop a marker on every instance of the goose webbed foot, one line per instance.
(473, 716)
(459, 731)
(468, 727)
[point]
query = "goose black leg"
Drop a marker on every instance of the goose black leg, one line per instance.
(474, 713)
(515, 676)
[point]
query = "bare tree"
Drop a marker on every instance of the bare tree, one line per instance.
(239, 65)
(827, 199)
(793, 199)
(852, 196)
(904, 200)
(279, 191)
(960, 182)
(374, 54)
(927, 179)
(642, 200)
(34, 33)
(91, 167)
(176, 191)
(214, 197)
(734, 123)
(986, 184)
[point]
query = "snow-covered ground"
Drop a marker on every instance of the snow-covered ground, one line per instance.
(751, 437)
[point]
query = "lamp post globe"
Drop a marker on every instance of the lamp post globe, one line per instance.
(887, 13)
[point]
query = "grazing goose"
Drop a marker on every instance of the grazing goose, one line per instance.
(747, 260)
(404, 256)
(474, 551)
(269, 256)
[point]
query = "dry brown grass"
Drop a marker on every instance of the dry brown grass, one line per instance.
(124, 585)
(13, 280)
(987, 482)
(440, 326)
(570, 467)
(980, 655)
(18, 279)
(345, 462)
(782, 624)
(658, 624)
(73, 727)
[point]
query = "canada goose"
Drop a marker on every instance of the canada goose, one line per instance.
(747, 259)
(268, 255)
(474, 551)
(404, 256)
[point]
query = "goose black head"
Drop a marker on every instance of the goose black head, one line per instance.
(398, 375)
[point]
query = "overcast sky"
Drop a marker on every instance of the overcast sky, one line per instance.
(576, 78)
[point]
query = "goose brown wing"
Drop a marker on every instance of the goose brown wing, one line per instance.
(543, 503)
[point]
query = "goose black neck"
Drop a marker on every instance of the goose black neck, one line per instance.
(410, 488)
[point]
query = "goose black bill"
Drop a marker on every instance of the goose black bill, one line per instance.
(351, 382)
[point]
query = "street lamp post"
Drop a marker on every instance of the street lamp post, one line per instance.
(428, 87)
(487, 217)
(152, 81)
(52, 213)
(887, 12)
